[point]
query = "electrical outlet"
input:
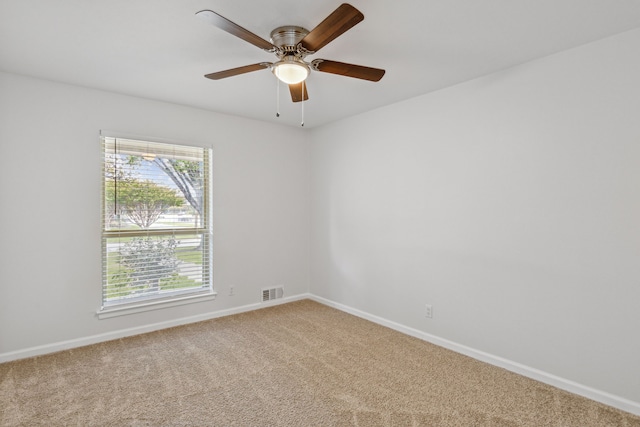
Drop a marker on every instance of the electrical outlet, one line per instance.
(231, 290)
(428, 312)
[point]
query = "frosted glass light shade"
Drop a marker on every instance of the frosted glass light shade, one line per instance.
(290, 71)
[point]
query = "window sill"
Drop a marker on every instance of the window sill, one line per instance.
(108, 312)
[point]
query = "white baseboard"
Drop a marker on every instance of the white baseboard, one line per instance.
(538, 375)
(122, 333)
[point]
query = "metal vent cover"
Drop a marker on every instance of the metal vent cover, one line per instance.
(269, 294)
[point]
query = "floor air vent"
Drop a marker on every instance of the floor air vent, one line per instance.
(272, 293)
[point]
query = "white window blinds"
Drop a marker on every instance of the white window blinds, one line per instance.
(156, 221)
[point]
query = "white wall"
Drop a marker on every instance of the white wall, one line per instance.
(510, 203)
(50, 270)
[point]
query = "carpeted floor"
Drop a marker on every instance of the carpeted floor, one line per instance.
(298, 364)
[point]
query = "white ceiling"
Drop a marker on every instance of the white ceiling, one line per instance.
(158, 49)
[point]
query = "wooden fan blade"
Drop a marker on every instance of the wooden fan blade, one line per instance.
(235, 29)
(349, 70)
(297, 92)
(341, 20)
(235, 71)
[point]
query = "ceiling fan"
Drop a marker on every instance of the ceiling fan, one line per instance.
(291, 44)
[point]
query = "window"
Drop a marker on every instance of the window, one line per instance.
(156, 222)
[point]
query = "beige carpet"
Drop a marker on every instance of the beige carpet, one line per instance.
(299, 364)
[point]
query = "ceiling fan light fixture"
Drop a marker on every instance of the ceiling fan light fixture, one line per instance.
(291, 70)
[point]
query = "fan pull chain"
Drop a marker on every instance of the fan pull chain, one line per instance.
(302, 104)
(277, 97)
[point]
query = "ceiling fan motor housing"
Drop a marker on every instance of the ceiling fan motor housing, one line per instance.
(291, 68)
(287, 38)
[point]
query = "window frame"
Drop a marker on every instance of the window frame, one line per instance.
(167, 298)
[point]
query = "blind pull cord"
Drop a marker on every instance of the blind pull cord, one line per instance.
(115, 181)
